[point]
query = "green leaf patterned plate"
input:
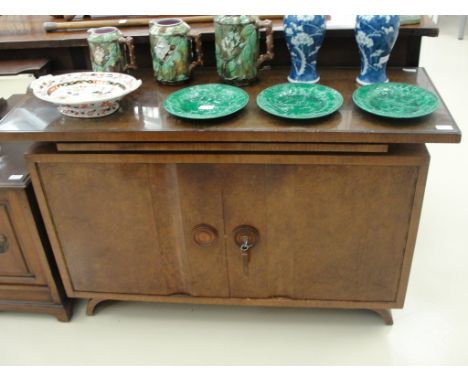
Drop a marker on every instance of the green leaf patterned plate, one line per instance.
(396, 100)
(299, 101)
(206, 101)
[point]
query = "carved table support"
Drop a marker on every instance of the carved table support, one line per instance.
(92, 304)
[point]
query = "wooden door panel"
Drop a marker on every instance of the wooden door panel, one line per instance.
(244, 204)
(126, 228)
(188, 196)
(20, 249)
(327, 232)
(12, 260)
(104, 222)
(356, 224)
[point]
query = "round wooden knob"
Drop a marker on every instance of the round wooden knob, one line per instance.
(204, 235)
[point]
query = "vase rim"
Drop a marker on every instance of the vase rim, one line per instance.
(168, 22)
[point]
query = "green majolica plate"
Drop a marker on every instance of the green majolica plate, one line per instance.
(299, 101)
(395, 100)
(206, 101)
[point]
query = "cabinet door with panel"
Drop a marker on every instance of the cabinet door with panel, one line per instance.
(130, 227)
(325, 232)
(12, 261)
(18, 260)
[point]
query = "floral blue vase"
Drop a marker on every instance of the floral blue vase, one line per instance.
(304, 37)
(375, 36)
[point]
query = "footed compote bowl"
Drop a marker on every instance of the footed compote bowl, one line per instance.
(85, 94)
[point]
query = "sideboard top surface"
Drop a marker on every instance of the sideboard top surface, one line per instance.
(142, 118)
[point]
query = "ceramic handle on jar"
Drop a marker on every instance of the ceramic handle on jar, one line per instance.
(268, 26)
(130, 49)
(198, 50)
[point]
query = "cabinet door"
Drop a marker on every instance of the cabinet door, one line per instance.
(12, 261)
(326, 232)
(19, 249)
(129, 227)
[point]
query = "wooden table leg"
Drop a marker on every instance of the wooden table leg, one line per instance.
(64, 313)
(92, 303)
(386, 314)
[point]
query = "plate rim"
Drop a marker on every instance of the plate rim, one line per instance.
(201, 117)
(392, 115)
(324, 114)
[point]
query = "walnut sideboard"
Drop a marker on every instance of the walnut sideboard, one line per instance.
(143, 206)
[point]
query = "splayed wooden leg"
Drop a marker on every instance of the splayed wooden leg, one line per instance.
(92, 303)
(64, 313)
(386, 314)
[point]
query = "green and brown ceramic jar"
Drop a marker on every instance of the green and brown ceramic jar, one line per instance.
(237, 41)
(109, 49)
(171, 50)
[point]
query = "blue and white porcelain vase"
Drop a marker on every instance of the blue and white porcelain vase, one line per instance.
(375, 36)
(304, 37)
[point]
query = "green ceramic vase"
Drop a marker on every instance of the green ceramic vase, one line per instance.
(171, 42)
(237, 40)
(109, 49)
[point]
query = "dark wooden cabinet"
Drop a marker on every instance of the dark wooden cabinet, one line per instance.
(329, 229)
